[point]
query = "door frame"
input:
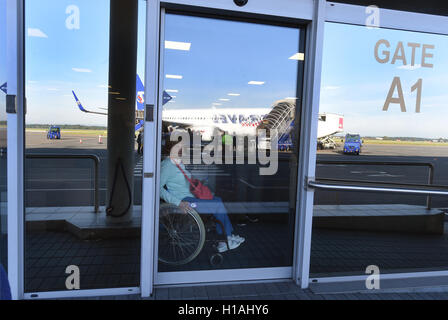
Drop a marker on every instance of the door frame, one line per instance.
(389, 19)
(15, 143)
(306, 11)
(16, 111)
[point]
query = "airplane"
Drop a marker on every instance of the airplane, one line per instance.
(246, 121)
(235, 121)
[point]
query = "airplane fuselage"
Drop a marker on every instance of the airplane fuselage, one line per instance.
(233, 121)
(237, 121)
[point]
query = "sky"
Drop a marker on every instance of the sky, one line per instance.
(224, 56)
(356, 85)
(62, 57)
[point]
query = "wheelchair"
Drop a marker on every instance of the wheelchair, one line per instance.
(182, 236)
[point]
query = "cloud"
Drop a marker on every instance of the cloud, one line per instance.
(83, 70)
(409, 67)
(34, 32)
(330, 88)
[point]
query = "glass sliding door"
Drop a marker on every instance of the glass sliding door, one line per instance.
(389, 88)
(230, 102)
(71, 242)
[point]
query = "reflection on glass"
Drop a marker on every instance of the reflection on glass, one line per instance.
(67, 66)
(3, 171)
(389, 87)
(228, 188)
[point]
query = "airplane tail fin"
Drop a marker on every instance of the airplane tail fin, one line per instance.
(140, 94)
(140, 88)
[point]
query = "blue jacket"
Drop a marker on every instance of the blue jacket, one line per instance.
(173, 185)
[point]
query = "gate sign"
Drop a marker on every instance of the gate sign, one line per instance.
(412, 55)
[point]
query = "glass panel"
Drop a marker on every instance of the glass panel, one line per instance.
(231, 97)
(67, 49)
(389, 88)
(3, 172)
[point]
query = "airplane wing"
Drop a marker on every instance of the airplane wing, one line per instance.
(140, 88)
(82, 108)
(138, 126)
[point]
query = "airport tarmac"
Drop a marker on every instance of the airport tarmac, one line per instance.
(68, 183)
(74, 139)
(399, 150)
(36, 139)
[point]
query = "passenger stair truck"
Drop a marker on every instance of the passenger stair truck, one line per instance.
(281, 119)
(329, 124)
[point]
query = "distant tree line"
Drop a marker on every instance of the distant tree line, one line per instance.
(66, 126)
(407, 139)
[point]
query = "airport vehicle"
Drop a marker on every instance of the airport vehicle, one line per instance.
(54, 133)
(352, 144)
(236, 121)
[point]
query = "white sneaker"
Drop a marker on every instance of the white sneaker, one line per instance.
(222, 246)
(236, 238)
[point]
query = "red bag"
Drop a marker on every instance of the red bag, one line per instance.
(198, 189)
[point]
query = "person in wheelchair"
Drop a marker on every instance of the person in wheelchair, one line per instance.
(175, 189)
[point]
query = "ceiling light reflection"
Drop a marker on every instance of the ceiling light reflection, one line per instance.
(176, 45)
(298, 56)
(256, 83)
(174, 76)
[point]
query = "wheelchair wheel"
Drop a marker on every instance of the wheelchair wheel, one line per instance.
(216, 259)
(181, 235)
